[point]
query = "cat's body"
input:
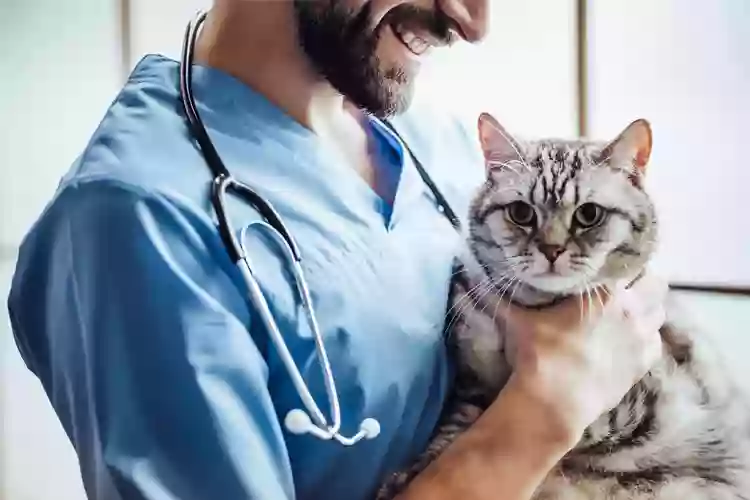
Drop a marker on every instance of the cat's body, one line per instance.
(683, 431)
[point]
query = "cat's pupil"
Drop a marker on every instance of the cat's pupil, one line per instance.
(521, 213)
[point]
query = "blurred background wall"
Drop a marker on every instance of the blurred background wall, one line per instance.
(550, 67)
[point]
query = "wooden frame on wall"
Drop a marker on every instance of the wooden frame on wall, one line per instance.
(126, 43)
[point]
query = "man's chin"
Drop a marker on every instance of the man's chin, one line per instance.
(397, 98)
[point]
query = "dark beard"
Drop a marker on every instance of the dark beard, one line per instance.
(342, 47)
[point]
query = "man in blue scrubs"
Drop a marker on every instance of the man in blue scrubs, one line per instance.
(128, 309)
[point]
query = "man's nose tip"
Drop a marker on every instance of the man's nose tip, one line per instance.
(471, 17)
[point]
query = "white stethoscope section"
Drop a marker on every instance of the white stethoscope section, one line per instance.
(297, 421)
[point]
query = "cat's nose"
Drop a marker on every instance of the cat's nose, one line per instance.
(552, 252)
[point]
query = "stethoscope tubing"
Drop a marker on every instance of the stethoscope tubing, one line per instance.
(314, 422)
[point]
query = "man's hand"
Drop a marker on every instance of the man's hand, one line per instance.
(578, 359)
(571, 363)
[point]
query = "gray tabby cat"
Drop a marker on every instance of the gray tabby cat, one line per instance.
(554, 219)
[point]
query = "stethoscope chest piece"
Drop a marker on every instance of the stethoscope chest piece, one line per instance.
(298, 422)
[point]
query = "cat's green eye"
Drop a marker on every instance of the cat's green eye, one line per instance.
(589, 215)
(521, 213)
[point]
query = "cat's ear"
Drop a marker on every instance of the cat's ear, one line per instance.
(497, 144)
(632, 147)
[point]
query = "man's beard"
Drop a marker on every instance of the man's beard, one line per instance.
(342, 46)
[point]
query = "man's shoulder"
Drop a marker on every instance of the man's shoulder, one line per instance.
(139, 147)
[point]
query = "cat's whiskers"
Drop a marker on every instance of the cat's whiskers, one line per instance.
(501, 284)
(497, 299)
(519, 284)
(462, 302)
(591, 303)
(599, 298)
(505, 287)
(580, 297)
(471, 299)
(500, 298)
(470, 304)
(581, 291)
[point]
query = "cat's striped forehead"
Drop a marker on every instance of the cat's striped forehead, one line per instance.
(556, 166)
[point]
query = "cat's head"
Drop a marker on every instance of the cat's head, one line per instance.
(562, 216)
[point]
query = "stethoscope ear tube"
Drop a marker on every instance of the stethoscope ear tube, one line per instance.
(213, 159)
(223, 183)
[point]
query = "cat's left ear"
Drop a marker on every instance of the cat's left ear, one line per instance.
(633, 147)
(497, 144)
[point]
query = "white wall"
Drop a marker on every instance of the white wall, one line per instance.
(158, 27)
(524, 72)
(685, 66)
(60, 68)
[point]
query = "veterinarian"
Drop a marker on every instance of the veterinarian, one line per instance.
(170, 336)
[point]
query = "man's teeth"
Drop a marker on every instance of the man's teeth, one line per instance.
(415, 43)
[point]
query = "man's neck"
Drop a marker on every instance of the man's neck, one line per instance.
(256, 42)
(253, 42)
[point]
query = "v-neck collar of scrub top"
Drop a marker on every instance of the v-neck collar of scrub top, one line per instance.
(254, 115)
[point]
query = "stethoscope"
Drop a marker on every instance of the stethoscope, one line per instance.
(296, 421)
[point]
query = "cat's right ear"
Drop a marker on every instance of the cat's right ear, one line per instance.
(497, 144)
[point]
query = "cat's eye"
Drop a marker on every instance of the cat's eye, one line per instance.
(521, 213)
(589, 215)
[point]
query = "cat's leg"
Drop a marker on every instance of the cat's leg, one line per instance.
(692, 488)
(560, 487)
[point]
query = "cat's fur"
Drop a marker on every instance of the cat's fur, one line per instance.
(682, 432)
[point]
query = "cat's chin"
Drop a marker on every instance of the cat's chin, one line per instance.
(556, 284)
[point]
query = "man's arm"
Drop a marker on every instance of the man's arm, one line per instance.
(140, 338)
(505, 454)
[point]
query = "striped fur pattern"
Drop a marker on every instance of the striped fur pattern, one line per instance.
(683, 431)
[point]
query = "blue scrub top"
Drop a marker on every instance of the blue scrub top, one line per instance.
(125, 304)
